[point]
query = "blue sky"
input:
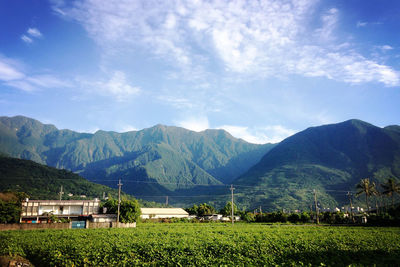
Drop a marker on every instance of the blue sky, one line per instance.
(262, 70)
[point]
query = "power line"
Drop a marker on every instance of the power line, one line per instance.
(255, 187)
(316, 206)
(232, 202)
(119, 199)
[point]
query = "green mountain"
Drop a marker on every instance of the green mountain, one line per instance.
(331, 159)
(157, 160)
(43, 182)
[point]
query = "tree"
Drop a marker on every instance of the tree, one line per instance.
(227, 210)
(129, 209)
(248, 217)
(205, 209)
(10, 206)
(9, 212)
(376, 194)
(193, 210)
(390, 188)
(305, 217)
(367, 188)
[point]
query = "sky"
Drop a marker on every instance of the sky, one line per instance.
(262, 70)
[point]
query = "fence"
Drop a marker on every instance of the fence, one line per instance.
(35, 226)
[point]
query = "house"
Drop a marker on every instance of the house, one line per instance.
(37, 211)
(158, 213)
(214, 217)
(103, 218)
(220, 217)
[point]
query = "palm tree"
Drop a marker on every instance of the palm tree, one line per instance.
(367, 188)
(390, 188)
(376, 195)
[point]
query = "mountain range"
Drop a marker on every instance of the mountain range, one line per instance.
(330, 159)
(153, 161)
(194, 167)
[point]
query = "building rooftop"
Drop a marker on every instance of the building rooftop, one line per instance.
(62, 201)
(164, 211)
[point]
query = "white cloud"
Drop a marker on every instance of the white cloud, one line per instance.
(196, 124)
(177, 102)
(34, 32)
(8, 71)
(361, 24)
(128, 128)
(31, 33)
(386, 47)
(46, 81)
(259, 135)
(364, 23)
(117, 87)
(329, 21)
(249, 38)
(22, 85)
(90, 130)
(26, 39)
(11, 74)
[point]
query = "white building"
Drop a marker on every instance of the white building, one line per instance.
(38, 210)
(158, 213)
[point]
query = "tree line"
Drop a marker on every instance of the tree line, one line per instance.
(371, 189)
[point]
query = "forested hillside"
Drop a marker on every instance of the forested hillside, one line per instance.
(331, 159)
(161, 159)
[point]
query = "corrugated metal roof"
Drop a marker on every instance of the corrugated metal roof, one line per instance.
(163, 211)
(62, 201)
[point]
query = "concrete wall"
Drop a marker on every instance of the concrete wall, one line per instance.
(32, 226)
(35, 226)
(98, 225)
(123, 225)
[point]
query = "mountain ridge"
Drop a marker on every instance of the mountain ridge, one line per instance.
(210, 156)
(330, 158)
(172, 161)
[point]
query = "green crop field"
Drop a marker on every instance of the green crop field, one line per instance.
(207, 244)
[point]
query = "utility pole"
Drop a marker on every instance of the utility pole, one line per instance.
(61, 192)
(316, 205)
(119, 200)
(232, 201)
(351, 206)
(166, 201)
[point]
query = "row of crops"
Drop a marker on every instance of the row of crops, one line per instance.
(206, 244)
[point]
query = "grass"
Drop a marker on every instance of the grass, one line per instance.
(207, 244)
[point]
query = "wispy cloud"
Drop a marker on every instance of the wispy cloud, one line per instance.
(385, 47)
(196, 124)
(119, 87)
(26, 39)
(116, 86)
(257, 38)
(329, 20)
(30, 35)
(361, 24)
(178, 102)
(259, 135)
(13, 75)
(364, 23)
(128, 128)
(34, 32)
(8, 70)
